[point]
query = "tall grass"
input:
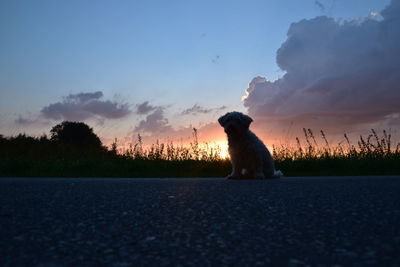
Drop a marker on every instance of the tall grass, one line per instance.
(170, 152)
(41, 157)
(372, 154)
(372, 146)
(22, 155)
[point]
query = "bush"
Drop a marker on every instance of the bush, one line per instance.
(75, 133)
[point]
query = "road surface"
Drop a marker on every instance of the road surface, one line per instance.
(342, 221)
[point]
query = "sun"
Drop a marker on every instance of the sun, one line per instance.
(223, 146)
(224, 154)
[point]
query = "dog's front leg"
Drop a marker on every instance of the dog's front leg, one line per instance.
(236, 169)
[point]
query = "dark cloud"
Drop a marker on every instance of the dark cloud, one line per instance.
(107, 109)
(156, 126)
(196, 109)
(339, 74)
(154, 123)
(24, 121)
(85, 106)
(83, 97)
(144, 108)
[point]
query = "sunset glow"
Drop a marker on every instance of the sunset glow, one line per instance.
(134, 69)
(223, 146)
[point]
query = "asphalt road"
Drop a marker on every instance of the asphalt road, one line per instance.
(342, 221)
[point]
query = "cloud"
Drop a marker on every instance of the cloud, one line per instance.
(341, 75)
(24, 121)
(84, 106)
(154, 123)
(156, 127)
(196, 109)
(144, 108)
(83, 97)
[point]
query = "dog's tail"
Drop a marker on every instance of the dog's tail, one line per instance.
(277, 174)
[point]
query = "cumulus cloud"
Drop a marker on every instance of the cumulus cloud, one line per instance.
(145, 108)
(338, 74)
(85, 106)
(196, 109)
(154, 123)
(156, 126)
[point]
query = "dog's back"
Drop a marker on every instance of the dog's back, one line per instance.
(268, 162)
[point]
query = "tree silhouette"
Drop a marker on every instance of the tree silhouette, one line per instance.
(75, 133)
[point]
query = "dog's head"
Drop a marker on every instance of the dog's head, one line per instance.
(235, 122)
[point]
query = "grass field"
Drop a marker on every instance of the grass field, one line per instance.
(42, 157)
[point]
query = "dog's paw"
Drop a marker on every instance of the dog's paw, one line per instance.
(277, 174)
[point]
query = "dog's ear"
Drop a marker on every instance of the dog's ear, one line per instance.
(222, 119)
(246, 120)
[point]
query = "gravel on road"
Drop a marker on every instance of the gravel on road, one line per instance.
(299, 221)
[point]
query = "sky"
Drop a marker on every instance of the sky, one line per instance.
(160, 68)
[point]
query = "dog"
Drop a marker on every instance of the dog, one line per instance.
(250, 158)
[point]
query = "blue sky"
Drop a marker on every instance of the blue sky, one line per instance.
(174, 54)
